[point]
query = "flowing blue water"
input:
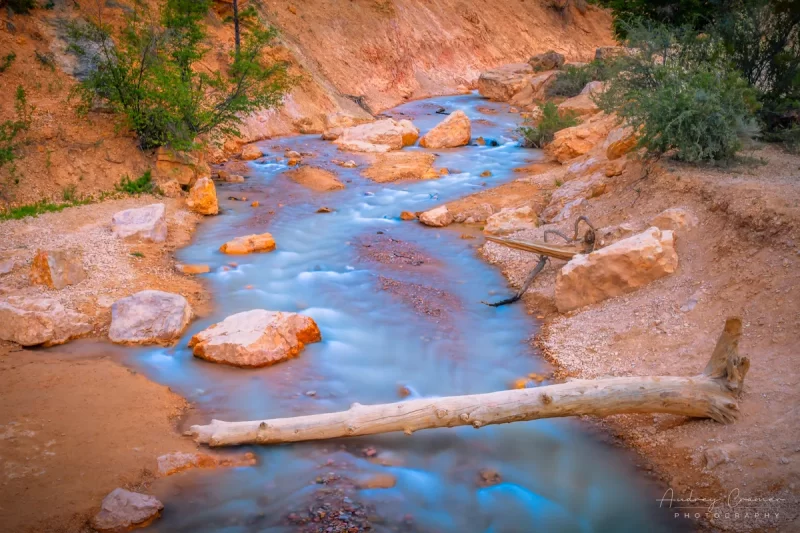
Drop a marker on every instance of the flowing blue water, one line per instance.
(554, 476)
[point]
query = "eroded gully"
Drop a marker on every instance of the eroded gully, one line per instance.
(553, 476)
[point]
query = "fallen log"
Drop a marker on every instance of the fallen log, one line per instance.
(712, 394)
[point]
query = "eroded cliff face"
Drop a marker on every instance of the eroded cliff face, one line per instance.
(388, 51)
(349, 57)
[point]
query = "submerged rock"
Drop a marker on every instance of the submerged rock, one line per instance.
(192, 269)
(149, 317)
(437, 217)
(249, 244)
(57, 268)
(203, 197)
(173, 463)
(315, 178)
(148, 224)
(123, 510)
(255, 338)
(617, 269)
(453, 131)
(34, 321)
(395, 166)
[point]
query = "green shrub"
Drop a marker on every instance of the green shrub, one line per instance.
(154, 77)
(22, 7)
(7, 60)
(10, 130)
(40, 207)
(682, 96)
(572, 79)
(142, 184)
(538, 135)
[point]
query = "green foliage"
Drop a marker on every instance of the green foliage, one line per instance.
(47, 60)
(10, 130)
(140, 255)
(572, 79)
(6, 61)
(40, 207)
(153, 75)
(70, 193)
(142, 184)
(676, 13)
(682, 96)
(21, 7)
(538, 135)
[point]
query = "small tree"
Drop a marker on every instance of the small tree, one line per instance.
(154, 77)
(542, 133)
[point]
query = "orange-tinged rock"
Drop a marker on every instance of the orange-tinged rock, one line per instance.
(254, 204)
(203, 197)
(615, 168)
(57, 268)
(620, 142)
(401, 165)
(183, 167)
(579, 140)
(172, 463)
(378, 480)
(503, 82)
(249, 244)
(578, 105)
(453, 131)
(315, 178)
(255, 338)
(192, 269)
(520, 383)
(379, 136)
(407, 215)
(620, 268)
(251, 152)
(486, 174)
(293, 162)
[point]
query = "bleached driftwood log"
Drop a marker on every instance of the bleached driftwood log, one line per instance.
(712, 394)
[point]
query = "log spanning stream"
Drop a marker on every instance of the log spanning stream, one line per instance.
(553, 475)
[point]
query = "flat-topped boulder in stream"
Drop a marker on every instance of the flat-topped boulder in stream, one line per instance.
(396, 166)
(147, 224)
(149, 317)
(453, 131)
(255, 338)
(315, 178)
(503, 82)
(249, 244)
(34, 321)
(379, 136)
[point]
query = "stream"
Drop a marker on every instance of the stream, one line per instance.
(554, 475)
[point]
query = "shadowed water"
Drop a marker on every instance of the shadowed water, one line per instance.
(554, 476)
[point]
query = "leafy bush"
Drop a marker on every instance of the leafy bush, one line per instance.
(10, 130)
(153, 75)
(572, 79)
(681, 95)
(6, 61)
(142, 184)
(538, 135)
(22, 7)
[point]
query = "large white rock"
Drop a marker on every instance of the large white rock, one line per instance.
(387, 132)
(148, 223)
(617, 269)
(511, 219)
(149, 317)
(453, 131)
(30, 322)
(255, 338)
(123, 510)
(437, 217)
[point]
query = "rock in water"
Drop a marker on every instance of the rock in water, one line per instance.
(172, 463)
(395, 166)
(316, 179)
(149, 317)
(251, 152)
(453, 131)
(123, 510)
(255, 338)
(378, 136)
(30, 322)
(57, 268)
(248, 244)
(437, 217)
(147, 223)
(203, 197)
(617, 269)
